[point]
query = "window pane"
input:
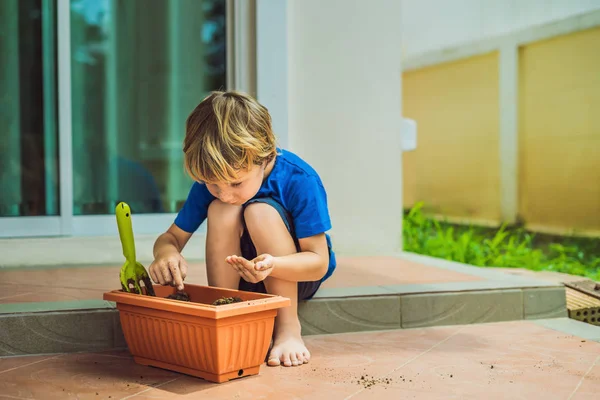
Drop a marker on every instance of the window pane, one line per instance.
(28, 113)
(139, 67)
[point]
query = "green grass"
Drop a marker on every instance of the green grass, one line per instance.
(500, 247)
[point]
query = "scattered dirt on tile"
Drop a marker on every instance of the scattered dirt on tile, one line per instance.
(337, 376)
(367, 381)
(180, 295)
(226, 300)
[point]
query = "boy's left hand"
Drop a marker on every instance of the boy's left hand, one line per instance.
(253, 271)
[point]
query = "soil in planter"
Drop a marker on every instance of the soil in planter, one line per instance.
(226, 300)
(181, 296)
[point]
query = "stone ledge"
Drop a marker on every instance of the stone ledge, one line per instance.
(60, 332)
(423, 310)
(321, 316)
(35, 331)
(543, 303)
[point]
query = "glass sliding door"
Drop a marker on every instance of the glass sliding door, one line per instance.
(93, 100)
(28, 109)
(138, 68)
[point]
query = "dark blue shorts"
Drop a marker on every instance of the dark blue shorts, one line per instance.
(306, 290)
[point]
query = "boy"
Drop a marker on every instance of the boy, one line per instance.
(266, 212)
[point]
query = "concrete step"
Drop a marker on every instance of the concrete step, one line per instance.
(371, 294)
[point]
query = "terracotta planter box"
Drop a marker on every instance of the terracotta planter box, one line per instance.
(217, 343)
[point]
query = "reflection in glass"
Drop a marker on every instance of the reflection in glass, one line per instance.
(138, 68)
(28, 113)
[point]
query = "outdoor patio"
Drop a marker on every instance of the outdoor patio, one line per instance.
(550, 359)
(381, 327)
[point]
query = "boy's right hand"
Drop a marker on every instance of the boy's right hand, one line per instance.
(169, 269)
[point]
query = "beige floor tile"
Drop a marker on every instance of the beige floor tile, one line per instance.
(89, 283)
(511, 360)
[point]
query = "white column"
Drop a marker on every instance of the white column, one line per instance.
(65, 116)
(344, 110)
(243, 42)
(272, 63)
(509, 140)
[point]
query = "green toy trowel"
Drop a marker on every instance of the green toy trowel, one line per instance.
(132, 272)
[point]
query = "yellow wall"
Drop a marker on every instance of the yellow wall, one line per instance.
(559, 133)
(455, 169)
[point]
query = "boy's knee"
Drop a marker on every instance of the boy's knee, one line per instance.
(276, 286)
(259, 215)
(225, 215)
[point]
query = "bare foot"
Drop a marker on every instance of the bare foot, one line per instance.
(288, 347)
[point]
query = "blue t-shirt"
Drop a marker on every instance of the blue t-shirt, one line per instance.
(292, 183)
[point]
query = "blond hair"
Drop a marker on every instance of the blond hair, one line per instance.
(227, 132)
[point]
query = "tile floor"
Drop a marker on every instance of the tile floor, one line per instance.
(90, 282)
(510, 360)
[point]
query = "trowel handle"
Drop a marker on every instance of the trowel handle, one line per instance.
(126, 231)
